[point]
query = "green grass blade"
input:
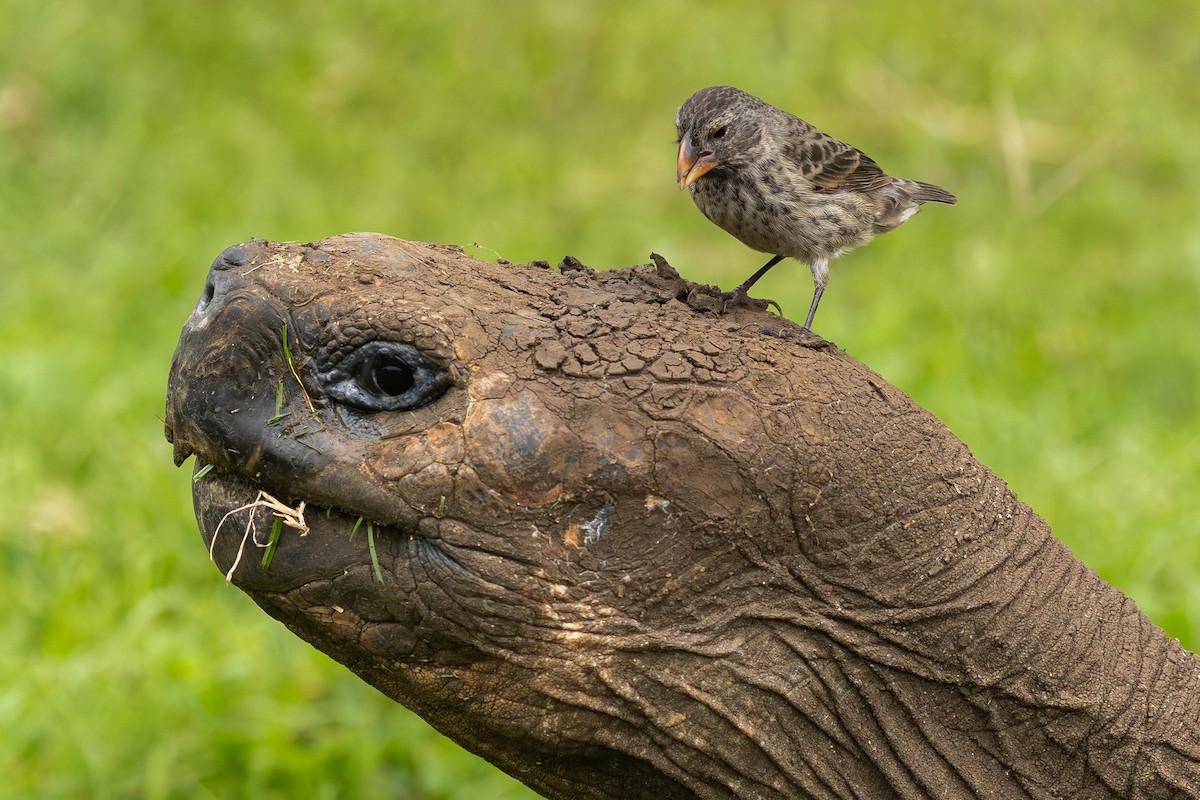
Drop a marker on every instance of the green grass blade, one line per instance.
(374, 556)
(276, 530)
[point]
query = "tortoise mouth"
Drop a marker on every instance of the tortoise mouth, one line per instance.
(265, 542)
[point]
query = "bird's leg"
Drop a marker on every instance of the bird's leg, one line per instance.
(805, 336)
(745, 285)
(820, 273)
(740, 293)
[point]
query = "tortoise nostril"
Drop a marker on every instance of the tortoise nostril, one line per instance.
(210, 291)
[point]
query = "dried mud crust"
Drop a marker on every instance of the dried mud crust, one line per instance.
(639, 549)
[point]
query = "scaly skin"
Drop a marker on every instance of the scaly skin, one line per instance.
(634, 549)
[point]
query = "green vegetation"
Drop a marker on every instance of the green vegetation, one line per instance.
(272, 543)
(374, 555)
(1052, 319)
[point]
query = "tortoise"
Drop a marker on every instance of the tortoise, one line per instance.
(623, 546)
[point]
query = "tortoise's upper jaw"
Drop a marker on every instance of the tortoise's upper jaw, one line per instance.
(195, 356)
(229, 379)
(180, 450)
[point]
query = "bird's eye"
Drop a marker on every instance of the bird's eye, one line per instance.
(719, 133)
(386, 376)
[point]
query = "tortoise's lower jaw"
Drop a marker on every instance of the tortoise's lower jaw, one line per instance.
(313, 544)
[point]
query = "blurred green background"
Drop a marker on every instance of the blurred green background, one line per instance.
(1052, 319)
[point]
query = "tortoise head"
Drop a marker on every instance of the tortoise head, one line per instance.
(494, 477)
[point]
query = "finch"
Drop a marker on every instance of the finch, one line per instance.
(783, 187)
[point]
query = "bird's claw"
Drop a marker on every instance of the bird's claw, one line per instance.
(739, 297)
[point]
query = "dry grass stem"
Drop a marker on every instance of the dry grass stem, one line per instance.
(292, 517)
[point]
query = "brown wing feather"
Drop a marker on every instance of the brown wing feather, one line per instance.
(831, 164)
(865, 175)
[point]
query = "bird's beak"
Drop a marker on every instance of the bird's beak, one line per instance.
(691, 165)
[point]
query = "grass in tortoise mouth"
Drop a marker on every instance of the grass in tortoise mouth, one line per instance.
(282, 515)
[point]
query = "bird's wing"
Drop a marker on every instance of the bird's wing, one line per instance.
(833, 165)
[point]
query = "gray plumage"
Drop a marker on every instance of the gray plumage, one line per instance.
(783, 187)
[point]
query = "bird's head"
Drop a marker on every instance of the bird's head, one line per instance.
(717, 127)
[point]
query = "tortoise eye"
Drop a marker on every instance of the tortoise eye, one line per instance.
(386, 376)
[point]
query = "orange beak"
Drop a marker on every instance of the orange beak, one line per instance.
(691, 165)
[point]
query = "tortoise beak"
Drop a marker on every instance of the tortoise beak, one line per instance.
(691, 165)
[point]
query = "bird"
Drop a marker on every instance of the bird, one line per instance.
(781, 186)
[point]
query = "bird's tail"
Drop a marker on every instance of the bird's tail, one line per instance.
(928, 193)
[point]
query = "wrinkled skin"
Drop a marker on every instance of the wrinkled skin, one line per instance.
(631, 548)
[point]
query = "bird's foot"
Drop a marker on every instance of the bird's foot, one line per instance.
(803, 336)
(739, 297)
(712, 299)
